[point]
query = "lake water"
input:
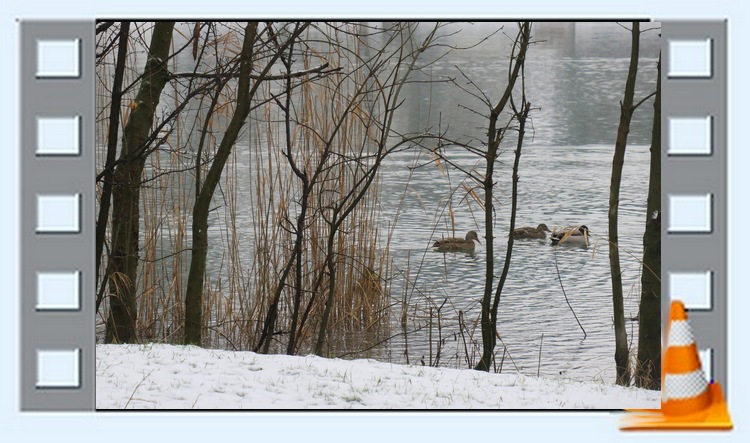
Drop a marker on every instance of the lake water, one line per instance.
(575, 78)
(560, 185)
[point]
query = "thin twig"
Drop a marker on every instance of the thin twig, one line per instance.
(566, 297)
(138, 386)
(539, 365)
(508, 350)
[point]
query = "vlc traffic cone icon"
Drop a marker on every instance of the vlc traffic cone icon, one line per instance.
(688, 400)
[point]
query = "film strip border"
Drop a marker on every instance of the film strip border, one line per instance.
(57, 201)
(57, 215)
(694, 183)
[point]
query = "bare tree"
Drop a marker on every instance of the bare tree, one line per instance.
(490, 156)
(627, 108)
(648, 367)
(121, 326)
(112, 135)
(194, 292)
(341, 209)
(307, 180)
(334, 174)
(494, 138)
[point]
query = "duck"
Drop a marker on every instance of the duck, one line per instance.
(529, 232)
(453, 244)
(573, 236)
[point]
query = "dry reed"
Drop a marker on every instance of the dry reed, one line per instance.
(250, 227)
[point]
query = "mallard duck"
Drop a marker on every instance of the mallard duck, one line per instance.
(529, 232)
(453, 244)
(573, 236)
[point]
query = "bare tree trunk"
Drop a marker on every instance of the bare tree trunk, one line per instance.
(121, 324)
(622, 360)
(194, 291)
(648, 369)
(304, 203)
(495, 136)
(488, 328)
(300, 235)
(522, 116)
(350, 201)
(331, 267)
(269, 324)
(114, 125)
(342, 211)
(196, 275)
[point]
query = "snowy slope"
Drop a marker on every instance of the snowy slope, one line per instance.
(184, 377)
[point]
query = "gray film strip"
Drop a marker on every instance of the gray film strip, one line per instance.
(69, 332)
(57, 215)
(691, 94)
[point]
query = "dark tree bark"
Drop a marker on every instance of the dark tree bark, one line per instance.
(350, 201)
(196, 276)
(648, 369)
(495, 136)
(114, 125)
(121, 324)
(307, 184)
(522, 116)
(622, 359)
(245, 93)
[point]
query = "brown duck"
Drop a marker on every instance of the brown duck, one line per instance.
(453, 244)
(529, 232)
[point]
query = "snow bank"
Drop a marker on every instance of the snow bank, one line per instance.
(188, 377)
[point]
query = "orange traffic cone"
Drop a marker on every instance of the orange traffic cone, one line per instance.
(688, 400)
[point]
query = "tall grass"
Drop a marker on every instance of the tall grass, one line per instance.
(250, 228)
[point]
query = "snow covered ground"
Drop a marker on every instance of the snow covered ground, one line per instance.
(158, 376)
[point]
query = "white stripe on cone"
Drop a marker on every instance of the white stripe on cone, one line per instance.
(682, 386)
(680, 333)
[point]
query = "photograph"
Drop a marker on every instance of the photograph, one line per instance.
(378, 215)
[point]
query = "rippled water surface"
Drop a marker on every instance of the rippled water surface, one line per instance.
(560, 185)
(575, 79)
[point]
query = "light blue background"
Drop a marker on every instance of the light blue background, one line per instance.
(58, 58)
(58, 135)
(690, 213)
(363, 427)
(690, 59)
(690, 136)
